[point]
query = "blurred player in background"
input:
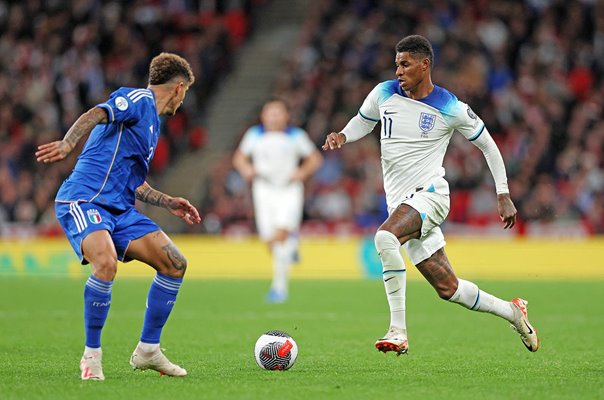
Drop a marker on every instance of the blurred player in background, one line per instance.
(95, 207)
(418, 120)
(277, 158)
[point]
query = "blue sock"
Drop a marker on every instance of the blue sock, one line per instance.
(160, 301)
(97, 299)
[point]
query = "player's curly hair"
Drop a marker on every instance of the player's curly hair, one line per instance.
(416, 45)
(166, 66)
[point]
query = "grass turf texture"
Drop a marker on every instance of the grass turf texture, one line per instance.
(454, 353)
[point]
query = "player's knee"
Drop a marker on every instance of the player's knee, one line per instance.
(281, 235)
(104, 267)
(386, 241)
(177, 267)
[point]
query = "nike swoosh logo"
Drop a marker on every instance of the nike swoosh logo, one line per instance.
(528, 327)
(386, 280)
(388, 113)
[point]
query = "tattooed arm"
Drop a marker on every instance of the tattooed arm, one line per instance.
(56, 151)
(147, 194)
(176, 205)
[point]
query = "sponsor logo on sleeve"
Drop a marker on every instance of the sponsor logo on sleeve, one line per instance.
(121, 103)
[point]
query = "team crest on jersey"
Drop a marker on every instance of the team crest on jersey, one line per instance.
(94, 216)
(426, 122)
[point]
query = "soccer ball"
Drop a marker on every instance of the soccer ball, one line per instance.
(276, 350)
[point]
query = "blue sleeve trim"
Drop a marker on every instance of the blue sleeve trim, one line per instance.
(476, 135)
(367, 118)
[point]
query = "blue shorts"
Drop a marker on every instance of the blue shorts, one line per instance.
(78, 220)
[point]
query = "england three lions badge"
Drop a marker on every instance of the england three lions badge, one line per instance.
(426, 122)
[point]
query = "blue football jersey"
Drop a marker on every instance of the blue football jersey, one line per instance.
(116, 157)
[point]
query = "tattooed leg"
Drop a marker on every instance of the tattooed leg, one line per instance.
(177, 260)
(157, 250)
(438, 271)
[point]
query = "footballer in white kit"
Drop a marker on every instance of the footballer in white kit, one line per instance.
(417, 120)
(277, 158)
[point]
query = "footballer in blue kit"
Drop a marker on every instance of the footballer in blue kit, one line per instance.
(101, 190)
(96, 207)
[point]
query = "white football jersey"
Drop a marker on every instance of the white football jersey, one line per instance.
(276, 155)
(415, 135)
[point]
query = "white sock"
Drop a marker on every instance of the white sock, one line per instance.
(472, 298)
(282, 260)
(88, 350)
(394, 275)
(293, 241)
(148, 347)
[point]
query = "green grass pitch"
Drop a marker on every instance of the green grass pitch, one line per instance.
(454, 353)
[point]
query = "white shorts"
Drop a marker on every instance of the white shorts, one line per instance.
(277, 207)
(433, 208)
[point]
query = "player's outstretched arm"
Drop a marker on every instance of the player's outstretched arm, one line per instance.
(334, 140)
(176, 205)
(58, 150)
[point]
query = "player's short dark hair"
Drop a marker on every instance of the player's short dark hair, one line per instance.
(416, 45)
(277, 99)
(167, 66)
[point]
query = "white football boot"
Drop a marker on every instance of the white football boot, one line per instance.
(91, 366)
(521, 324)
(155, 360)
(394, 340)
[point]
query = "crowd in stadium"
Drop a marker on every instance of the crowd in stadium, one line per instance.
(531, 70)
(65, 58)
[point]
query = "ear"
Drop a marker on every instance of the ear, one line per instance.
(178, 87)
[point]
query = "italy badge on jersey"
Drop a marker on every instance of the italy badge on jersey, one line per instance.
(94, 216)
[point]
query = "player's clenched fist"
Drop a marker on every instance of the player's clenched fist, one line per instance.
(334, 140)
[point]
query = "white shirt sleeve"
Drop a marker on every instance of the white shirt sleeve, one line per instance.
(247, 143)
(364, 122)
(494, 160)
(472, 127)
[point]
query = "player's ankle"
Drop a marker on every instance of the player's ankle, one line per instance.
(148, 347)
(91, 350)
